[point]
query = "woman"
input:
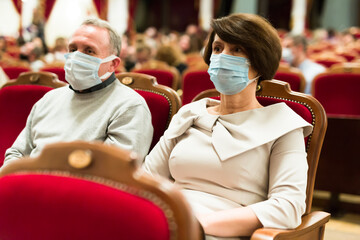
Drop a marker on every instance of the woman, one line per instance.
(241, 166)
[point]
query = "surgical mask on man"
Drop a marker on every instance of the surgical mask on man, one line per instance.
(81, 70)
(229, 73)
(287, 55)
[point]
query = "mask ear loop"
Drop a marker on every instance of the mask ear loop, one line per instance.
(107, 59)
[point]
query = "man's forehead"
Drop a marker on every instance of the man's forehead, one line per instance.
(92, 32)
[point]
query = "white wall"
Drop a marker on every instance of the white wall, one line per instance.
(340, 14)
(9, 19)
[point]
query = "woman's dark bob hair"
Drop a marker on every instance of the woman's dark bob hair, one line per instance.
(255, 35)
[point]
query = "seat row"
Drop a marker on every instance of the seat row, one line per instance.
(163, 103)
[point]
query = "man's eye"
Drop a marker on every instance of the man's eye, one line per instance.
(72, 49)
(89, 51)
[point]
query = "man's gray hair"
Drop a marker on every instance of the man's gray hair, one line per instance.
(299, 39)
(114, 37)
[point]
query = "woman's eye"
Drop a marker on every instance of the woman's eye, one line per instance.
(238, 50)
(216, 49)
(72, 49)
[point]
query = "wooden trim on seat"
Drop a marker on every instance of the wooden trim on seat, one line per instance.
(37, 78)
(347, 67)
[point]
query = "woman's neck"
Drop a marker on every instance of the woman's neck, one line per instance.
(243, 101)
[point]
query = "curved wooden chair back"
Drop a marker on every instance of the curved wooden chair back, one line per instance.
(291, 75)
(37, 78)
(348, 67)
(82, 190)
(274, 91)
(163, 101)
(165, 74)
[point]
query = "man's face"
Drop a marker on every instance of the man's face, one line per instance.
(93, 41)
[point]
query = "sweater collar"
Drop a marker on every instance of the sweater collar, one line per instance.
(97, 87)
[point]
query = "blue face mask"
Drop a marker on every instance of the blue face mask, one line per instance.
(229, 73)
(81, 70)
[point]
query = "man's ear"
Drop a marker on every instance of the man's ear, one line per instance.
(114, 64)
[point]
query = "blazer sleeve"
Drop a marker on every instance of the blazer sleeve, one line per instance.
(287, 183)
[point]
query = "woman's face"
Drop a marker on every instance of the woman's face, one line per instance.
(220, 46)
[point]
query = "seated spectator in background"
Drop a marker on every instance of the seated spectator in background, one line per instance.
(95, 107)
(142, 55)
(240, 165)
(172, 56)
(35, 57)
(295, 53)
(57, 55)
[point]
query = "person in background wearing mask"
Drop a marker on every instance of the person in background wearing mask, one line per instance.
(95, 107)
(295, 53)
(240, 165)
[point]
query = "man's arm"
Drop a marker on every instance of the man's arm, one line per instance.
(132, 130)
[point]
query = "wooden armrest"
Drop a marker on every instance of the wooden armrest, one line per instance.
(312, 227)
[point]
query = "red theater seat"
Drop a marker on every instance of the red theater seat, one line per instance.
(163, 101)
(193, 83)
(15, 105)
(14, 72)
(79, 190)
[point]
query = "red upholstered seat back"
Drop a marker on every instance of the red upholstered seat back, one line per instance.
(327, 62)
(292, 78)
(15, 105)
(160, 112)
(14, 72)
(59, 208)
(59, 71)
(194, 83)
(163, 77)
(338, 93)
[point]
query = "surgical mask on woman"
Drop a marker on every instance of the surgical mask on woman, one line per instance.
(229, 73)
(81, 70)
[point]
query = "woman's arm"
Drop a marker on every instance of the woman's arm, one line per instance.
(230, 222)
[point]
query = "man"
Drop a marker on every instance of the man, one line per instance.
(294, 52)
(95, 107)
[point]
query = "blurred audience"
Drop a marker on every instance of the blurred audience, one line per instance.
(295, 53)
(172, 56)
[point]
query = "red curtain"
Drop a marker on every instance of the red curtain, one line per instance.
(17, 4)
(131, 26)
(101, 7)
(49, 4)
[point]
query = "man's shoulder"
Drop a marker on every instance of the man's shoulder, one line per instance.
(313, 65)
(127, 94)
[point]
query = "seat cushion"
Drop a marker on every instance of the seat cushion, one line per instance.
(58, 207)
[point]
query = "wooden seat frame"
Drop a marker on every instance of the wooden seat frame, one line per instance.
(145, 82)
(37, 78)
